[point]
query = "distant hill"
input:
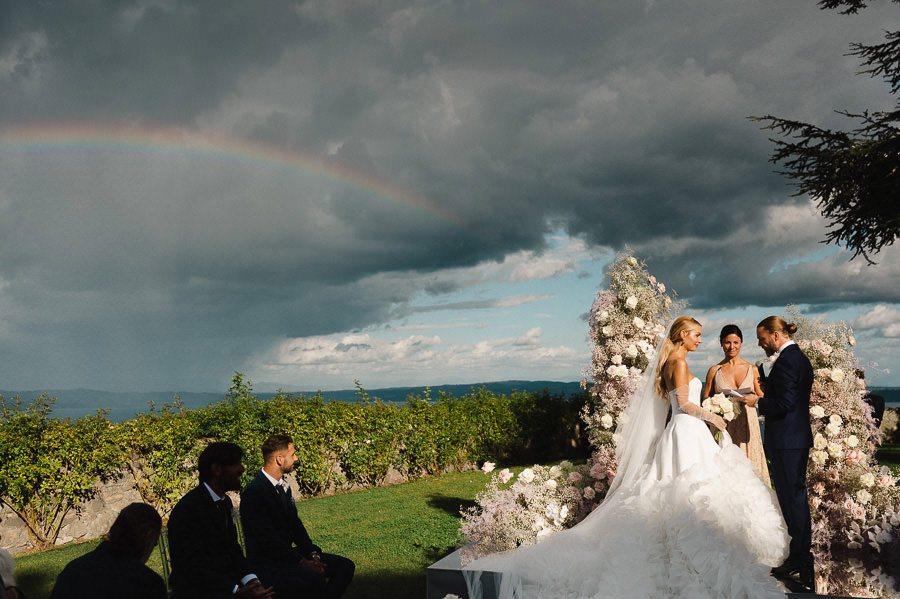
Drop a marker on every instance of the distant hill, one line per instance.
(75, 403)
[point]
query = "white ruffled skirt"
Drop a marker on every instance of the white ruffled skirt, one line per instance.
(699, 525)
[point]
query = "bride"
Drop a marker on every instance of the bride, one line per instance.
(685, 516)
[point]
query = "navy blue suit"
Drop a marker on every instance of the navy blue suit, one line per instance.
(276, 542)
(207, 561)
(788, 438)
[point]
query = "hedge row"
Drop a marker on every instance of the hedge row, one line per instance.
(49, 466)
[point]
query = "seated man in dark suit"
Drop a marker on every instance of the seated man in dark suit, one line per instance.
(116, 568)
(278, 545)
(207, 561)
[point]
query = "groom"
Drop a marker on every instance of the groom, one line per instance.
(788, 438)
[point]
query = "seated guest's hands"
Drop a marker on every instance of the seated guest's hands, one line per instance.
(254, 590)
(315, 563)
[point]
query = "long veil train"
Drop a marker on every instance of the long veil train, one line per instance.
(711, 531)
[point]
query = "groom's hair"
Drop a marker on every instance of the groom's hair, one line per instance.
(774, 324)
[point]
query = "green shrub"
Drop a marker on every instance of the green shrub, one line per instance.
(49, 467)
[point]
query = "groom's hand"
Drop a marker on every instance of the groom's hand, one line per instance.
(750, 400)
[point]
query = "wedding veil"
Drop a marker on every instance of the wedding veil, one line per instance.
(639, 429)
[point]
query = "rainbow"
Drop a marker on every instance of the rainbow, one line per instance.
(47, 139)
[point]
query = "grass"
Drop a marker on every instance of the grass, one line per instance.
(392, 533)
(889, 455)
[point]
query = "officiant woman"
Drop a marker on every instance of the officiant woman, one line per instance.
(736, 373)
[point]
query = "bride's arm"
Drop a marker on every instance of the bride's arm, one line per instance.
(681, 378)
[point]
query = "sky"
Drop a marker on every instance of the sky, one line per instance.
(407, 193)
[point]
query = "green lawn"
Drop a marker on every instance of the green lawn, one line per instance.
(392, 533)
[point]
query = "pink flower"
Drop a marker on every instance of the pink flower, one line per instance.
(832, 475)
(598, 471)
(885, 480)
(610, 475)
(488, 467)
(574, 477)
(589, 493)
(815, 502)
(858, 512)
(505, 475)
(853, 457)
(599, 487)
(819, 488)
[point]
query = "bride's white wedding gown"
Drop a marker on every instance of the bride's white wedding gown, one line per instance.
(697, 523)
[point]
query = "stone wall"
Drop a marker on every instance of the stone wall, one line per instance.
(93, 520)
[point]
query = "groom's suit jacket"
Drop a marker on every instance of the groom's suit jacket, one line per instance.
(786, 401)
(271, 524)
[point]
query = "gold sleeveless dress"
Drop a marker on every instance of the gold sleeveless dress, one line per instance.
(744, 429)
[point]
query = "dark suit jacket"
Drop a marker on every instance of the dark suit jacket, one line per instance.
(206, 557)
(271, 525)
(101, 574)
(786, 401)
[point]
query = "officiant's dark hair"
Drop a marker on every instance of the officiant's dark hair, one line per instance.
(774, 324)
(730, 329)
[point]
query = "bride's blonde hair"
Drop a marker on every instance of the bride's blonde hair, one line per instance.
(681, 325)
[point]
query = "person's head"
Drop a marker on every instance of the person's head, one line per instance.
(135, 531)
(219, 466)
(772, 332)
(278, 453)
(685, 332)
(731, 339)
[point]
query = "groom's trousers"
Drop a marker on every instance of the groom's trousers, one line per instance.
(788, 468)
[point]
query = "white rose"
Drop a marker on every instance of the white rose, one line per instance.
(835, 419)
(631, 303)
(638, 322)
(607, 331)
(817, 412)
(606, 421)
(631, 351)
(851, 341)
(851, 441)
(555, 471)
(867, 479)
(632, 261)
(833, 429)
(837, 375)
(621, 371)
(835, 450)
(527, 475)
(604, 316)
(616, 359)
(550, 484)
(863, 496)
(819, 457)
(819, 441)
(635, 372)
(565, 464)
(611, 370)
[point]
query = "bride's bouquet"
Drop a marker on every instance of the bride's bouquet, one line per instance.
(723, 406)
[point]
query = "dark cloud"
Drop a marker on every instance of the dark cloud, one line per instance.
(618, 122)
